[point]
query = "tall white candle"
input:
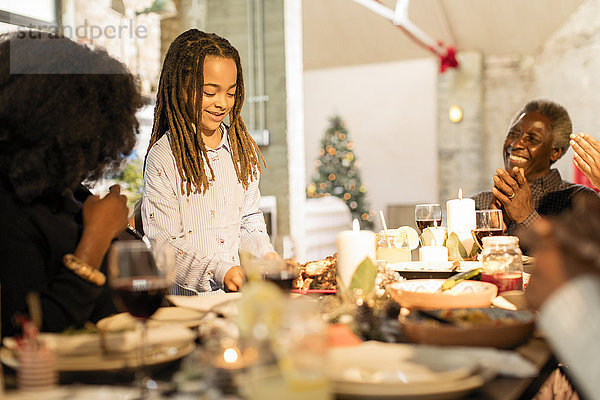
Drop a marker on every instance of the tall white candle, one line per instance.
(353, 247)
(461, 219)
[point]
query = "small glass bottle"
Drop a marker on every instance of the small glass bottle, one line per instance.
(501, 262)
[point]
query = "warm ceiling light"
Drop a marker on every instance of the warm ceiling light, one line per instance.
(455, 114)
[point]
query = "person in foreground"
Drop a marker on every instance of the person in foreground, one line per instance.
(201, 175)
(528, 187)
(587, 156)
(565, 288)
(68, 113)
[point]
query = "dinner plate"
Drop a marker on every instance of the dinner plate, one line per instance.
(108, 361)
(314, 291)
(203, 303)
(375, 370)
(163, 316)
(434, 266)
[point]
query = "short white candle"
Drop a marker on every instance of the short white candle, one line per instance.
(433, 253)
(353, 247)
(461, 219)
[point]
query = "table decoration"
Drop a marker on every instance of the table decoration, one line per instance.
(353, 247)
(461, 222)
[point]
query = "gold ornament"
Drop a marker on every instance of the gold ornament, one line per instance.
(322, 185)
(331, 177)
(347, 196)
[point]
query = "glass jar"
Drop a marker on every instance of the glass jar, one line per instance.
(392, 247)
(501, 262)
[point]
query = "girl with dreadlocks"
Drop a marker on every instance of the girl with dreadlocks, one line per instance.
(201, 175)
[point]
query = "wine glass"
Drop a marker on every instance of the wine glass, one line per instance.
(487, 223)
(428, 215)
(280, 269)
(140, 278)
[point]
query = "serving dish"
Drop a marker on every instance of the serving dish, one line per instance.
(489, 327)
(423, 293)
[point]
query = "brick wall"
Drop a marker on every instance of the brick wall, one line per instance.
(228, 18)
(565, 70)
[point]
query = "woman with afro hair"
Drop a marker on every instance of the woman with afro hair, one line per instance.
(67, 114)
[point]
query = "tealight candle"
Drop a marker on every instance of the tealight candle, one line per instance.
(461, 219)
(353, 247)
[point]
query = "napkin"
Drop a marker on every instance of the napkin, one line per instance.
(502, 362)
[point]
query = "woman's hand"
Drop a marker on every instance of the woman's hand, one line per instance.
(103, 220)
(587, 156)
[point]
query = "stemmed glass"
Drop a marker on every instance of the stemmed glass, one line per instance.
(428, 215)
(487, 223)
(140, 278)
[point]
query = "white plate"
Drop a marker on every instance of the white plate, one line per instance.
(108, 361)
(203, 303)
(163, 316)
(375, 370)
(433, 266)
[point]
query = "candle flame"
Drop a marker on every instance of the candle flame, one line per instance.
(230, 355)
(355, 225)
(460, 193)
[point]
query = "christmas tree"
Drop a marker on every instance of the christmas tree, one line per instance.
(337, 173)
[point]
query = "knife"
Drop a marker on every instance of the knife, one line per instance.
(455, 279)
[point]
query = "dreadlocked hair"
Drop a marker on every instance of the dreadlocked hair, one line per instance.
(181, 75)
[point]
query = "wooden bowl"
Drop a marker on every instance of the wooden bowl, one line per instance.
(422, 293)
(488, 327)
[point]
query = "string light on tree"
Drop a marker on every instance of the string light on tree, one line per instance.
(337, 173)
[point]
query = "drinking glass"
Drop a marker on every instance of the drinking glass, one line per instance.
(487, 223)
(428, 215)
(140, 278)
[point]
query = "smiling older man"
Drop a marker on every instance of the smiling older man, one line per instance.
(528, 187)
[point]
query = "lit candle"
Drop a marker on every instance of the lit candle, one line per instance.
(353, 247)
(461, 219)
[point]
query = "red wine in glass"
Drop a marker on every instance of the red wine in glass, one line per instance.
(479, 234)
(141, 295)
(505, 280)
(428, 223)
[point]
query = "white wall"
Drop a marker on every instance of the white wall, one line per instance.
(390, 112)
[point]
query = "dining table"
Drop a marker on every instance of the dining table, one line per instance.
(535, 350)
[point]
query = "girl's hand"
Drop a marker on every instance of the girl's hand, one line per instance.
(587, 156)
(234, 279)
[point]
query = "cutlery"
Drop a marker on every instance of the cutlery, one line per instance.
(455, 279)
